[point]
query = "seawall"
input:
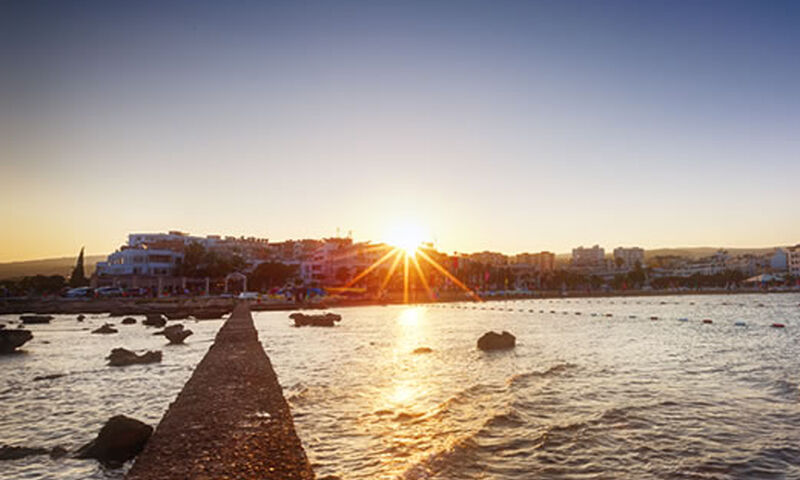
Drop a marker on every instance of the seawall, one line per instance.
(230, 420)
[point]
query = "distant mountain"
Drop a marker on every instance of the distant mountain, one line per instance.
(49, 266)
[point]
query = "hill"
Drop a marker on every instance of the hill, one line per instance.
(48, 266)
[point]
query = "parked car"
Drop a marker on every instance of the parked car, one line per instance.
(79, 292)
(109, 292)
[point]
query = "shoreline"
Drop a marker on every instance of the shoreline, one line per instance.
(217, 307)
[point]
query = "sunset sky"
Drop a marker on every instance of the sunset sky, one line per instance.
(509, 126)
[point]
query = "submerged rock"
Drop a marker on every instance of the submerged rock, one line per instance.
(120, 439)
(121, 357)
(105, 329)
(496, 341)
(81, 317)
(9, 452)
(320, 320)
(154, 320)
(49, 377)
(10, 340)
(128, 321)
(34, 319)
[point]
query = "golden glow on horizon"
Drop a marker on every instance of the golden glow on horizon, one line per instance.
(404, 244)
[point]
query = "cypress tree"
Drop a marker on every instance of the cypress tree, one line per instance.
(78, 278)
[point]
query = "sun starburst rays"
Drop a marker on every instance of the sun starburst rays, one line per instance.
(410, 254)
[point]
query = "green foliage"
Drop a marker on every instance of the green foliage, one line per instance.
(198, 262)
(78, 277)
(271, 274)
(38, 284)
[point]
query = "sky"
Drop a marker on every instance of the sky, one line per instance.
(492, 125)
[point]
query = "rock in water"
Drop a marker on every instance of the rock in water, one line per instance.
(128, 321)
(121, 357)
(106, 328)
(120, 439)
(496, 341)
(155, 320)
(9, 452)
(33, 319)
(323, 320)
(81, 317)
(10, 340)
(176, 333)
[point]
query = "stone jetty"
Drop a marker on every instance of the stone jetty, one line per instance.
(230, 420)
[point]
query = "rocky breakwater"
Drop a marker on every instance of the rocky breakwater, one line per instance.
(10, 340)
(230, 420)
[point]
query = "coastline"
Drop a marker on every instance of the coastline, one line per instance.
(216, 307)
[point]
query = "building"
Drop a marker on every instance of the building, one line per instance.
(629, 257)
(588, 257)
(778, 262)
(793, 260)
(129, 261)
(493, 259)
(540, 262)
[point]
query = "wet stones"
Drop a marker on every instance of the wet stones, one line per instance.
(176, 334)
(154, 320)
(121, 357)
(10, 340)
(107, 328)
(128, 321)
(120, 439)
(321, 320)
(496, 341)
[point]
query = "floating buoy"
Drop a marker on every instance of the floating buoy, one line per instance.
(653, 318)
(740, 324)
(778, 325)
(594, 314)
(631, 316)
(683, 319)
(707, 320)
(609, 315)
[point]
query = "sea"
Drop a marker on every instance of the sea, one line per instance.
(596, 388)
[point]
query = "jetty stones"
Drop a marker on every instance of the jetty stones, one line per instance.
(154, 320)
(321, 320)
(105, 329)
(121, 357)
(10, 340)
(497, 341)
(34, 319)
(176, 333)
(120, 439)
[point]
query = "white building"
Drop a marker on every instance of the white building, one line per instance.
(588, 257)
(629, 257)
(140, 261)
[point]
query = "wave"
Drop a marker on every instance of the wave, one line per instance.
(552, 371)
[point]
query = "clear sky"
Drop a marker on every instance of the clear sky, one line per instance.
(510, 126)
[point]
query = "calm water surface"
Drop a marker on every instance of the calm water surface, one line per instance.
(584, 395)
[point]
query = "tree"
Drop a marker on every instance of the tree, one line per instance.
(271, 274)
(78, 278)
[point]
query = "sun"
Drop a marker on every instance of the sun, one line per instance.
(406, 236)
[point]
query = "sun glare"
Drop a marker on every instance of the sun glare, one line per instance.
(406, 236)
